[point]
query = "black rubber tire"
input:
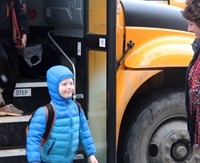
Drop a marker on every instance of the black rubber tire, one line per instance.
(160, 107)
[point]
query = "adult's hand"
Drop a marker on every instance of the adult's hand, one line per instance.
(23, 42)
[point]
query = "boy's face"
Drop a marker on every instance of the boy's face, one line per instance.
(66, 88)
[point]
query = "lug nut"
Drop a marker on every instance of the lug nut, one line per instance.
(167, 157)
(174, 138)
(183, 134)
(167, 147)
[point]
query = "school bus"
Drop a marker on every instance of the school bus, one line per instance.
(177, 3)
(129, 59)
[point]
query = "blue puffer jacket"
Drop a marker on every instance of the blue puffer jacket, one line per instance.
(69, 128)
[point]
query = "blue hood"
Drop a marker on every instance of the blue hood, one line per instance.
(54, 76)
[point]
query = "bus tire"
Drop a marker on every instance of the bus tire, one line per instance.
(163, 116)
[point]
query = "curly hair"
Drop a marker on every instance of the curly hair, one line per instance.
(191, 11)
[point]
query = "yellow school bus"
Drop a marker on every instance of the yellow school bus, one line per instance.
(177, 3)
(129, 59)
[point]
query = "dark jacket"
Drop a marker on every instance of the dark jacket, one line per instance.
(191, 120)
(6, 19)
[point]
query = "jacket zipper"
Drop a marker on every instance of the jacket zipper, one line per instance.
(50, 148)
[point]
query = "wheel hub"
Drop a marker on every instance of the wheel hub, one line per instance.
(170, 143)
(179, 151)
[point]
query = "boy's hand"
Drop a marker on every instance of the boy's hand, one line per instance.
(93, 159)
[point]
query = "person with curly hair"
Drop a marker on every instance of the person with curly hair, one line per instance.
(191, 13)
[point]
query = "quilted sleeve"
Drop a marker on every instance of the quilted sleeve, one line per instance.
(86, 136)
(34, 135)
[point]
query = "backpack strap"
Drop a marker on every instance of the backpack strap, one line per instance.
(50, 116)
(79, 106)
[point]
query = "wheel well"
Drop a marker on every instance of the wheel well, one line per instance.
(169, 78)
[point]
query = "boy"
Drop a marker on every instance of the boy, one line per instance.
(69, 127)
